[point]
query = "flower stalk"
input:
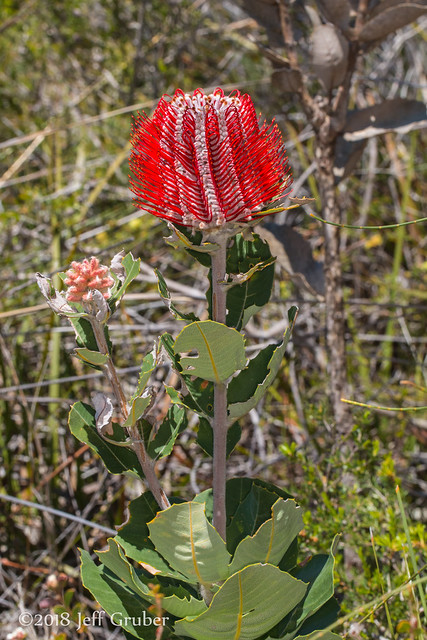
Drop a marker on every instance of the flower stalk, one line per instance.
(138, 446)
(219, 423)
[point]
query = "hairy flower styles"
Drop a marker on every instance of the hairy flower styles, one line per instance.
(83, 278)
(205, 160)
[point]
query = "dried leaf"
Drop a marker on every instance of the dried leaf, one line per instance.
(287, 80)
(117, 266)
(295, 256)
(103, 412)
(398, 115)
(336, 11)
(57, 302)
(389, 16)
(329, 53)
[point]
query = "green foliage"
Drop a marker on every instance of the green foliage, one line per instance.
(220, 350)
(180, 543)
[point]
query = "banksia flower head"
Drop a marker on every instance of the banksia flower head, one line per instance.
(83, 278)
(204, 160)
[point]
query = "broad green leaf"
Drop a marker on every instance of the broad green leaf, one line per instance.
(117, 459)
(147, 367)
(246, 606)
(251, 257)
(137, 410)
(116, 599)
(133, 537)
(319, 574)
(249, 503)
(221, 350)
(272, 539)
(164, 292)
(92, 357)
(189, 543)
(176, 600)
(205, 436)
(325, 616)
(173, 424)
(132, 268)
(249, 386)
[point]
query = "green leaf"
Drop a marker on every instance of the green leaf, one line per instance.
(92, 357)
(246, 606)
(205, 436)
(249, 504)
(251, 258)
(319, 608)
(133, 536)
(117, 459)
(164, 292)
(190, 240)
(132, 268)
(167, 342)
(272, 539)
(325, 635)
(176, 600)
(173, 424)
(200, 397)
(189, 543)
(147, 367)
(220, 349)
(137, 410)
(248, 387)
(116, 599)
(85, 336)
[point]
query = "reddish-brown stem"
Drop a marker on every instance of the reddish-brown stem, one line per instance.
(137, 444)
(219, 423)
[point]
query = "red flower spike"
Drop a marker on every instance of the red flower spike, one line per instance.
(204, 160)
(84, 277)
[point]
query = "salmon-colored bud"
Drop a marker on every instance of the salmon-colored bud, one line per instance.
(205, 160)
(84, 277)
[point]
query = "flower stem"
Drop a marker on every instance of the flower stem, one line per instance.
(219, 424)
(145, 461)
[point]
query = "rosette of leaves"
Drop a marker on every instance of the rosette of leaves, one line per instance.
(252, 588)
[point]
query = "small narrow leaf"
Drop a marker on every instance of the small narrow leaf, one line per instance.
(137, 410)
(147, 367)
(220, 350)
(164, 292)
(92, 357)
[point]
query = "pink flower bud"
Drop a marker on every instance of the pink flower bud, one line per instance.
(204, 160)
(85, 277)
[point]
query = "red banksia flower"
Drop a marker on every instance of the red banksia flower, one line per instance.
(204, 160)
(84, 277)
